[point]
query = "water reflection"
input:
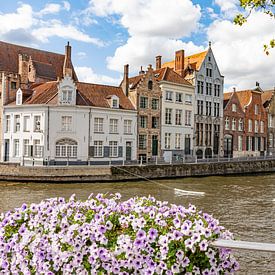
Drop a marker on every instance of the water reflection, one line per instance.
(244, 205)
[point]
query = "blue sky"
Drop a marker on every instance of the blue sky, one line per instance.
(106, 34)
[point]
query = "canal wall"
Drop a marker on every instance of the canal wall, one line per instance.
(124, 173)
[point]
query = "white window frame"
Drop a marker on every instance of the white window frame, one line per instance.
(26, 148)
(179, 97)
(233, 124)
(250, 125)
(188, 116)
(177, 140)
(66, 123)
(26, 123)
(37, 123)
(262, 127)
(240, 143)
(113, 126)
(16, 148)
(98, 125)
(8, 123)
(142, 141)
(167, 140)
(178, 117)
(17, 123)
(234, 107)
(168, 116)
(240, 126)
(169, 96)
(226, 123)
(98, 149)
(188, 99)
(127, 126)
(37, 148)
(113, 149)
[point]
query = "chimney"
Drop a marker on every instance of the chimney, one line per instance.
(141, 71)
(23, 70)
(158, 62)
(234, 89)
(125, 81)
(257, 84)
(68, 67)
(179, 62)
(6, 89)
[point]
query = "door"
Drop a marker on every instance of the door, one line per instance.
(7, 150)
(228, 146)
(187, 146)
(154, 145)
(128, 150)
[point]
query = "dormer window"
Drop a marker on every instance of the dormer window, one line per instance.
(67, 91)
(67, 96)
(114, 102)
(19, 97)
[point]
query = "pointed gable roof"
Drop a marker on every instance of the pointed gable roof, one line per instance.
(267, 97)
(226, 98)
(48, 64)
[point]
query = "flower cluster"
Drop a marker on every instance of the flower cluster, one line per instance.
(104, 235)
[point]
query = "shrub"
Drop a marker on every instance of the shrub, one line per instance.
(104, 235)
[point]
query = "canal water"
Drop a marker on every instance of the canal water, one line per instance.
(244, 204)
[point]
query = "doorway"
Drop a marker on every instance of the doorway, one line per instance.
(154, 145)
(128, 150)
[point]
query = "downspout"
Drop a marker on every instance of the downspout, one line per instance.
(48, 130)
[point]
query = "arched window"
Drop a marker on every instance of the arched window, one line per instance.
(66, 148)
(19, 97)
(150, 85)
(270, 140)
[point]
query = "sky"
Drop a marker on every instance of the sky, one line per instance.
(106, 34)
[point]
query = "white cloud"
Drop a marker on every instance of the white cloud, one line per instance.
(154, 27)
(81, 55)
(66, 5)
(239, 51)
(229, 8)
(86, 74)
(28, 27)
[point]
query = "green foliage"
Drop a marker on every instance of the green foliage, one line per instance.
(265, 6)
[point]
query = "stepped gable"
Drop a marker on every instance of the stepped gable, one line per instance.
(98, 95)
(48, 64)
(245, 97)
(194, 61)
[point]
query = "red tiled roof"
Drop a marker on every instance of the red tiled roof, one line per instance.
(267, 96)
(44, 70)
(226, 98)
(244, 97)
(133, 81)
(87, 95)
(9, 59)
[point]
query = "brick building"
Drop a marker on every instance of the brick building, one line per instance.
(252, 140)
(268, 99)
(145, 94)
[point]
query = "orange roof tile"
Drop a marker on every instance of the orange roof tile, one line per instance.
(244, 97)
(267, 96)
(194, 60)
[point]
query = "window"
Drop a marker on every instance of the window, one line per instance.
(113, 126)
(168, 116)
(240, 124)
(262, 127)
(98, 148)
(13, 85)
(270, 120)
(127, 126)
(155, 122)
(66, 96)
(142, 142)
(98, 125)
(234, 108)
(249, 125)
(249, 143)
(167, 140)
(143, 102)
(19, 97)
(256, 109)
(256, 130)
(27, 123)
(208, 88)
(178, 117)
(115, 103)
(16, 148)
(37, 123)
(143, 121)
(199, 134)
(17, 123)
(26, 147)
(155, 103)
(240, 143)
(200, 107)
(234, 124)
(177, 140)
(169, 96)
(188, 115)
(208, 110)
(113, 149)
(150, 85)
(188, 99)
(37, 148)
(65, 148)
(200, 87)
(217, 89)
(208, 72)
(66, 123)
(179, 97)
(8, 123)
(270, 143)
(208, 134)
(226, 126)
(216, 109)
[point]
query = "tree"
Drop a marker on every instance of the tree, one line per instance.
(265, 6)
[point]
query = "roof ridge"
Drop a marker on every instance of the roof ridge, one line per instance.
(81, 82)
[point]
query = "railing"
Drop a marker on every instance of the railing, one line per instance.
(69, 161)
(265, 247)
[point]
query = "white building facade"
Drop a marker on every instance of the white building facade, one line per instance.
(62, 125)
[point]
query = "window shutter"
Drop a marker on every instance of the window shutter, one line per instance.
(247, 143)
(91, 151)
(253, 143)
(106, 151)
(120, 151)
